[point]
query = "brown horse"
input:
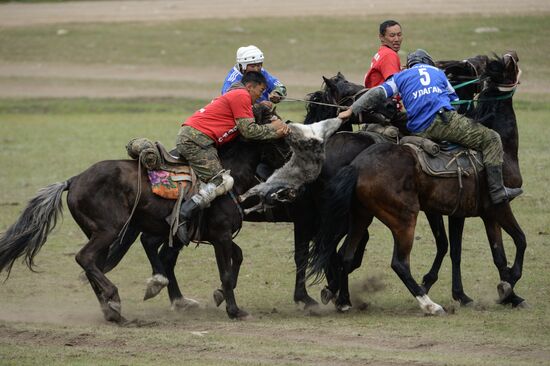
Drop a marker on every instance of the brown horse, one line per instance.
(385, 181)
(101, 200)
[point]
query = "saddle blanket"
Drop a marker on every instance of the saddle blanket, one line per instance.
(166, 184)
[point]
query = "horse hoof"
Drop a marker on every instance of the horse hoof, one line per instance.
(112, 312)
(306, 300)
(243, 315)
(154, 285)
(238, 314)
(219, 297)
(463, 299)
(343, 308)
(310, 303)
(326, 295)
(523, 305)
(183, 304)
(504, 290)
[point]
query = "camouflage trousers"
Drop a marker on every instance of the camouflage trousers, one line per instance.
(201, 153)
(456, 128)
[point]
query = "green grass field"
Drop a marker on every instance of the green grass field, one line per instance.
(53, 318)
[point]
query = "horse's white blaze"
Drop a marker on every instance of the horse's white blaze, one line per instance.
(428, 306)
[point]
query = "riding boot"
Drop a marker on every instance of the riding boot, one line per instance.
(498, 192)
(187, 210)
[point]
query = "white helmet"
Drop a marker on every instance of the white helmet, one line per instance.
(249, 55)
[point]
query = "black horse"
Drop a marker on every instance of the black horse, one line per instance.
(101, 200)
(362, 191)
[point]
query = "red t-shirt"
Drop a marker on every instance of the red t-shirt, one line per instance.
(384, 64)
(217, 119)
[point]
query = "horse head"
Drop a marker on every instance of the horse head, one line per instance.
(503, 73)
(465, 75)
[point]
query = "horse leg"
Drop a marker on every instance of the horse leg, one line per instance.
(168, 256)
(224, 249)
(403, 235)
(119, 248)
(159, 279)
(456, 227)
(508, 276)
(303, 233)
(438, 229)
(352, 257)
(107, 294)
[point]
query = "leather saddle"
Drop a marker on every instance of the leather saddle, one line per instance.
(444, 160)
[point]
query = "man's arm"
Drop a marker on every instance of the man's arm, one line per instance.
(367, 101)
(275, 87)
(253, 131)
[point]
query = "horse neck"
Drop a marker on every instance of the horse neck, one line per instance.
(502, 118)
(316, 113)
(499, 115)
(242, 158)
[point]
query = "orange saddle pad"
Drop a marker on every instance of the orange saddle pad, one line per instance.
(165, 184)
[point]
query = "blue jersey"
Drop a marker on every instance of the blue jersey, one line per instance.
(235, 75)
(424, 90)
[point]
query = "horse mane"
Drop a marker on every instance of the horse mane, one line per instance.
(316, 112)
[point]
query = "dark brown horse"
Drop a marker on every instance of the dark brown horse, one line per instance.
(385, 182)
(101, 200)
(465, 75)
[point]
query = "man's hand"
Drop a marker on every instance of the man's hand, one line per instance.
(280, 127)
(275, 97)
(267, 103)
(345, 114)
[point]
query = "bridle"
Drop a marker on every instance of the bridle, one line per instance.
(512, 86)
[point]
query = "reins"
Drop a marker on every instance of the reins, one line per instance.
(288, 99)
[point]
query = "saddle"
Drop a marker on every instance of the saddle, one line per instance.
(444, 160)
(170, 175)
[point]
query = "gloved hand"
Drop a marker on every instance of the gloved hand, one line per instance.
(275, 97)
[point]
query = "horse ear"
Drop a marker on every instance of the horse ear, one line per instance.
(328, 82)
(512, 54)
(340, 75)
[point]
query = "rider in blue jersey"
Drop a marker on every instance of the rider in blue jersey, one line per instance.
(250, 58)
(427, 95)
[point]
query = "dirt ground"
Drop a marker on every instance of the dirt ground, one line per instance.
(34, 79)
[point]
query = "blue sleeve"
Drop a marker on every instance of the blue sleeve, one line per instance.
(390, 87)
(232, 77)
(452, 93)
(272, 81)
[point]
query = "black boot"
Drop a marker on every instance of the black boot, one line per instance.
(498, 192)
(187, 210)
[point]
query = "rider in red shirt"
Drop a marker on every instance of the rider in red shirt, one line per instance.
(386, 61)
(217, 119)
(212, 126)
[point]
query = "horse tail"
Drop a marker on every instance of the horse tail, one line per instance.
(27, 235)
(338, 196)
